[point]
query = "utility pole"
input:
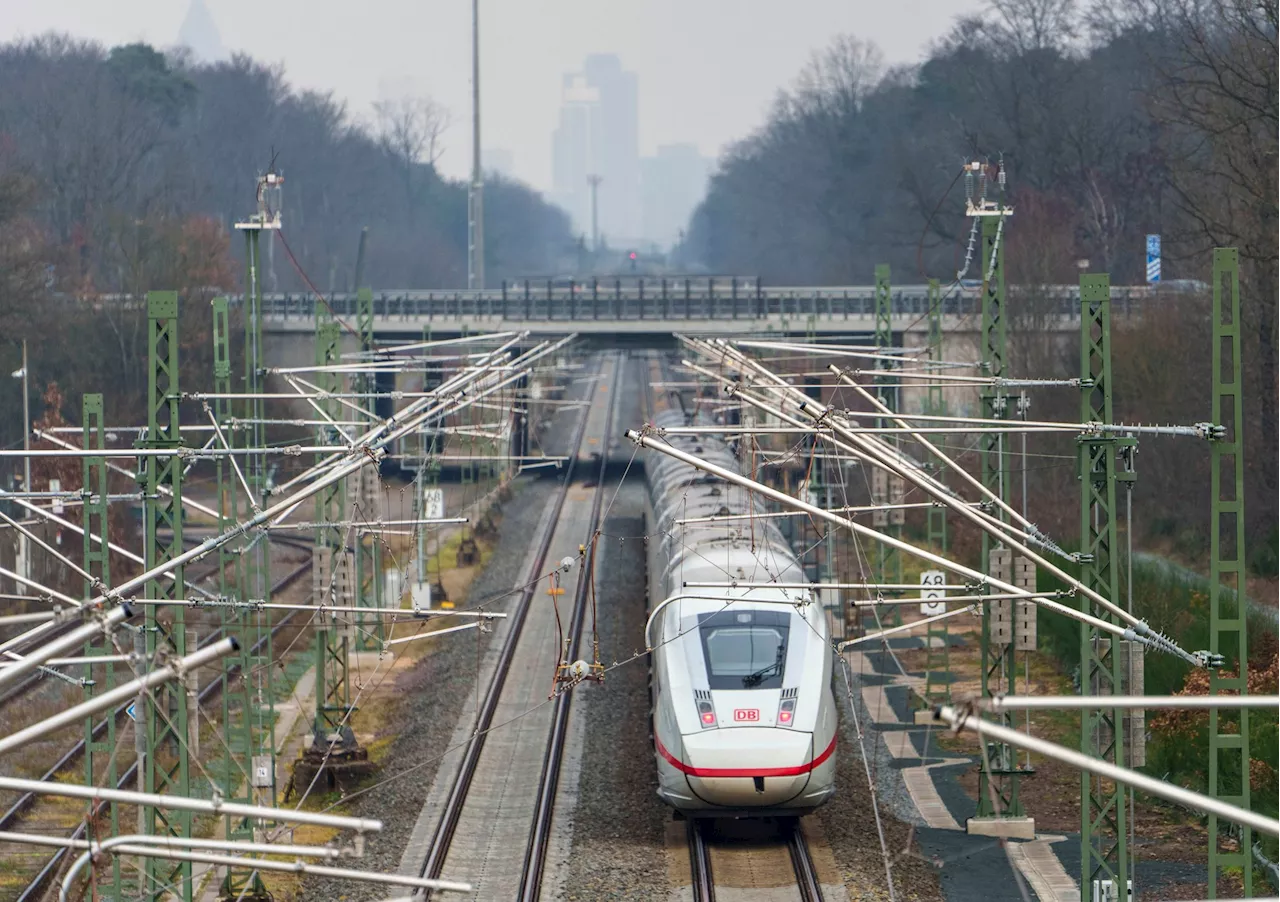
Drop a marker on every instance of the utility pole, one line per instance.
(363, 498)
(252, 738)
(1104, 840)
(1228, 608)
(1000, 810)
(886, 487)
(24, 547)
(165, 714)
(937, 635)
(594, 181)
(256, 558)
(475, 205)
(249, 774)
(334, 750)
(99, 758)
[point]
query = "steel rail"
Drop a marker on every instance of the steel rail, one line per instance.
(56, 630)
(802, 863)
(703, 883)
(535, 853)
(702, 878)
(442, 839)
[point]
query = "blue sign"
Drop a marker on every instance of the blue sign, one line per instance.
(132, 711)
(1153, 258)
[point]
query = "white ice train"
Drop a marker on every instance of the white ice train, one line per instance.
(744, 719)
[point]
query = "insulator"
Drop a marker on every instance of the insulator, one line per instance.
(968, 184)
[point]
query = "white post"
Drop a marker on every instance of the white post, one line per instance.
(24, 548)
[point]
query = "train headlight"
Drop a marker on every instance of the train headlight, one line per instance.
(786, 712)
(706, 714)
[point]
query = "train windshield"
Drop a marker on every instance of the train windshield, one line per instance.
(744, 649)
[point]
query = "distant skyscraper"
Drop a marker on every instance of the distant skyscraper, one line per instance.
(599, 134)
(200, 33)
(674, 182)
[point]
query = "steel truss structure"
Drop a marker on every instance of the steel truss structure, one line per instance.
(1228, 609)
(168, 741)
(937, 635)
(1104, 850)
(1000, 776)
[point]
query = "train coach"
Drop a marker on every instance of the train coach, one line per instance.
(743, 716)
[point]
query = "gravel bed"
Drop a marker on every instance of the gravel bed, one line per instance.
(618, 848)
(432, 695)
(849, 823)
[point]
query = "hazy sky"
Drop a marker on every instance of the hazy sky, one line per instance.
(708, 69)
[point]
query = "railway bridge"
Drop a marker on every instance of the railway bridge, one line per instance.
(645, 311)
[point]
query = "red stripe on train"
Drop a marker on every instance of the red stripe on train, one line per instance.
(744, 771)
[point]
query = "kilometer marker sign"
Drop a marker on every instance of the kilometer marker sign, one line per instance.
(933, 584)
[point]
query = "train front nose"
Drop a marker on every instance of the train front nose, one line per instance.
(748, 766)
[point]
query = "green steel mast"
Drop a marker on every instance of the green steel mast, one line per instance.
(247, 734)
(999, 778)
(165, 714)
(364, 490)
(99, 758)
(887, 487)
(1104, 849)
(937, 635)
(1228, 611)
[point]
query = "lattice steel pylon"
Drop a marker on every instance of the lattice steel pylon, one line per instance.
(1000, 776)
(365, 485)
(1104, 850)
(164, 715)
(886, 487)
(332, 562)
(937, 654)
(1228, 607)
(427, 478)
(99, 758)
(248, 775)
(256, 557)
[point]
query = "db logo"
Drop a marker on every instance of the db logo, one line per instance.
(746, 714)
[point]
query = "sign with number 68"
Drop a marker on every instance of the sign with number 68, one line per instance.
(933, 584)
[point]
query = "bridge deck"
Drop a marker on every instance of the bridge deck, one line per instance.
(642, 308)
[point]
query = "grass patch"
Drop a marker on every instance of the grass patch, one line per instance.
(1178, 747)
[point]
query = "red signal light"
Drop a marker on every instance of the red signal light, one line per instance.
(633, 255)
(786, 711)
(706, 713)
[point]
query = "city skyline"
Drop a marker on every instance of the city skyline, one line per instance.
(739, 53)
(673, 182)
(597, 138)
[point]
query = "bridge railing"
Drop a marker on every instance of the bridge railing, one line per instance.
(678, 300)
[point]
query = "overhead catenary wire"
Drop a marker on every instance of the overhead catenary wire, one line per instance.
(960, 719)
(382, 435)
(895, 462)
(867, 532)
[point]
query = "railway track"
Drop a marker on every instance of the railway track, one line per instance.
(13, 815)
(24, 686)
(526, 807)
(536, 851)
(777, 866)
(782, 866)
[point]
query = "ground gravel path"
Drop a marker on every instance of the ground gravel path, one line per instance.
(432, 695)
(617, 851)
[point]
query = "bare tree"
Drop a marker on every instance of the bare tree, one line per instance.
(1218, 96)
(1025, 26)
(409, 131)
